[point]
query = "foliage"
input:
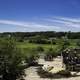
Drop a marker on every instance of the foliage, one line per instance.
(40, 41)
(64, 73)
(10, 60)
(50, 54)
(45, 35)
(44, 74)
(71, 57)
(78, 43)
(65, 44)
(32, 60)
(32, 57)
(60, 74)
(40, 49)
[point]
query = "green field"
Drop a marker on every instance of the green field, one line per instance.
(30, 48)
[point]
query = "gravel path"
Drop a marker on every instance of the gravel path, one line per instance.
(31, 72)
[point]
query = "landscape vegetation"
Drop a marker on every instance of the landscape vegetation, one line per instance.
(20, 50)
(39, 39)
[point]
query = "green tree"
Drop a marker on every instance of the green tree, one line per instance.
(10, 60)
(65, 43)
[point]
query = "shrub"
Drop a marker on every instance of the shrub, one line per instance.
(78, 43)
(50, 54)
(44, 74)
(64, 73)
(60, 74)
(10, 60)
(39, 48)
(54, 43)
(32, 60)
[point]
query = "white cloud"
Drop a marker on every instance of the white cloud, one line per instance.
(68, 22)
(32, 26)
(14, 23)
(48, 24)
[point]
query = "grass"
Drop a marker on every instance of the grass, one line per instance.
(29, 48)
(33, 45)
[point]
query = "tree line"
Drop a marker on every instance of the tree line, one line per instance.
(47, 34)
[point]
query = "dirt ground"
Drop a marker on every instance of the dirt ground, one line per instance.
(31, 72)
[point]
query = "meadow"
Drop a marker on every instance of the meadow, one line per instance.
(32, 48)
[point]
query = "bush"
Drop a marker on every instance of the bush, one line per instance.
(11, 66)
(39, 48)
(40, 41)
(50, 54)
(54, 43)
(44, 74)
(32, 60)
(78, 43)
(64, 73)
(60, 74)
(30, 41)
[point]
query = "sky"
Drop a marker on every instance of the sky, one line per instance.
(39, 15)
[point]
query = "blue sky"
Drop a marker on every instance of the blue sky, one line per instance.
(39, 15)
